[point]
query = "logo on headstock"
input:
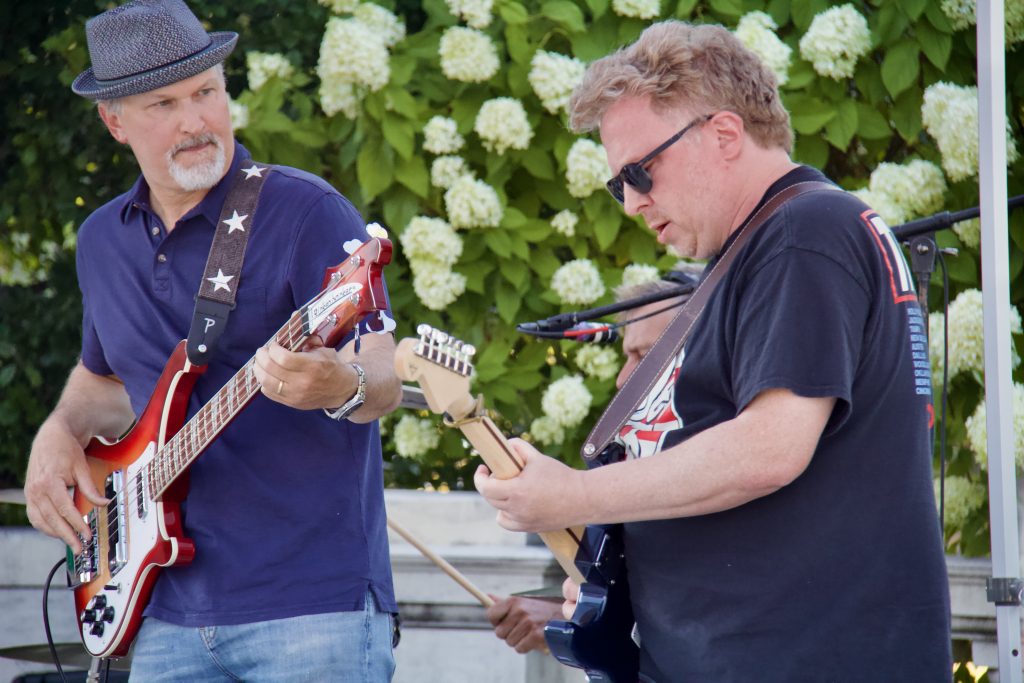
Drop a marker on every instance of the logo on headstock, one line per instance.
(322, 307)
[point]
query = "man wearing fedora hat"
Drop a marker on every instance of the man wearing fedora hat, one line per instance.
(291, 579)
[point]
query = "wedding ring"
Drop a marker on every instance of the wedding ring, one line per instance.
(280, 387)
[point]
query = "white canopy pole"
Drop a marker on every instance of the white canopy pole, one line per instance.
(995, 259)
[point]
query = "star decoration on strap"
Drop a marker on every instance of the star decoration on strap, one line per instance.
(253, 171)
(235, 222)
(221, 281)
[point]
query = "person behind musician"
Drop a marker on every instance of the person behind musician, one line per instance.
(782, 526)
(291, 578)
(520, 620)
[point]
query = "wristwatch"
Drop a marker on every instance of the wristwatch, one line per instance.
(353, 404)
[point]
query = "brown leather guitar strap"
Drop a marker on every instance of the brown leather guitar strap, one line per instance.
(647, 372)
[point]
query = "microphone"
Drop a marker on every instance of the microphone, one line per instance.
(597, 333)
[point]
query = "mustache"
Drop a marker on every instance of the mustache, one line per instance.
(195, 141)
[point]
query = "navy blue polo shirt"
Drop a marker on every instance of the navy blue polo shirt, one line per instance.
(286, 507)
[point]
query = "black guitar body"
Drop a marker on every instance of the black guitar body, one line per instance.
(599, 638)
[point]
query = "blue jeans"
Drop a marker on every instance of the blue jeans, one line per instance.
(343, 647)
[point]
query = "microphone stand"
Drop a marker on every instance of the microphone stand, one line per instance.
(919, 236)
(564, 321)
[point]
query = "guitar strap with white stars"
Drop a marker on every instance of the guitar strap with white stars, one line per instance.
(216, 298)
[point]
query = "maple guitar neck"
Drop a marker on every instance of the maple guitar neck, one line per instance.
(441, 366)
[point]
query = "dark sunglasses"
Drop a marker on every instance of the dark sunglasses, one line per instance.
(636, 175)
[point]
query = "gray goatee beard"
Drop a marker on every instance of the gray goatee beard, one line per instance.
(204, 174)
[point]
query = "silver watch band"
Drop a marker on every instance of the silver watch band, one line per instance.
(353, 404)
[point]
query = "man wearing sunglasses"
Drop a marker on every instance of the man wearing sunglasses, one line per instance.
(779, 517)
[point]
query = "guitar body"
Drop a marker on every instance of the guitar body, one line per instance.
(599, 637)
(135, 535)
(145, 473)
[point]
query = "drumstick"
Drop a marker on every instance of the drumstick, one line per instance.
(451, 571)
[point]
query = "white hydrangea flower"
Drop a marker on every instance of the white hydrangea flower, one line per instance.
(637, 274)
(468, 55)
(950, 115)
(339, 96)
(964, 13)
(891, 212)
(431, 239)
(472, 203)
(638, 9)
(966, 338)
(446, 170)
(598, 361)
(567, 401)
(441, 136)
(264, 65)
(435, 284)
(553, 77)
(415, 437)
(564, 222)
(501, 124)
(340, 65)
(586, 168)
(390, 28)
(756, 31)
(963, 497)
(239, 114)
(547, 431)
(340, 6)
(836, 39)
(476, 13)
(905, 191)
(578, 282)
(969, 232)
(977, 430)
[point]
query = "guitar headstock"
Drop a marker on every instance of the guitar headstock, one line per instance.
(351, 290)
(442, 366)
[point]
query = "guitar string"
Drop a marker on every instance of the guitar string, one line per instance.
(174, 453)
(173, 450)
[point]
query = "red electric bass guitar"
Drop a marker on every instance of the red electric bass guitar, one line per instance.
(143, 473)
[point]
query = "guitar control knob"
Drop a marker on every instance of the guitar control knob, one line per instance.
(97, 629)
(108, 615)
(87, 616)
(97, 602)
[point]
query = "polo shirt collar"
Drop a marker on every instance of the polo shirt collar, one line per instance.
(137, 198)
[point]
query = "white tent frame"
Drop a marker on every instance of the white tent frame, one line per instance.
(995, 260)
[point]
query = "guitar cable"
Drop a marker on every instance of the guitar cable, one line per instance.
(46, 619)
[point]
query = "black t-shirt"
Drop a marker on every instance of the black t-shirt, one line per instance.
(840, 575)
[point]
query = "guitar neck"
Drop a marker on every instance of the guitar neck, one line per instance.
(179, 452)
(499, 457)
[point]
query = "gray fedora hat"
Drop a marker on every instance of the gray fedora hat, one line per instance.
(147, 44)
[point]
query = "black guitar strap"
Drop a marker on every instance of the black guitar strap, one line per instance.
(217, 290)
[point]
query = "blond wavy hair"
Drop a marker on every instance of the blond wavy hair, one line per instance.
(673, 63)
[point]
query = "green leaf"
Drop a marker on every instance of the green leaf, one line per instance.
(513, 12)
(890, 24)
(491, 362)
(606, 228)
(374, 168)
(938, 18)
(872, 125)
(869, 81)
(539, 163)
(729, 8)
(804, 11)
(809, 114)
(513, 218)
(412, 173)
(399, 133)
(508, 301)
(597, 7)
(515, 271)
(935, 44)
(685, 8)
(566, 13)
(476, 273)
(906, 114)
(517, 42)
(913, 8)
(497, 241)
(811, 150)
(901, 66)
(840, 130)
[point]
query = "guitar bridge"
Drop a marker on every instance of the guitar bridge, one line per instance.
(83, 567)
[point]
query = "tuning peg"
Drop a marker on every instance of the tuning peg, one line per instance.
(424, 330)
